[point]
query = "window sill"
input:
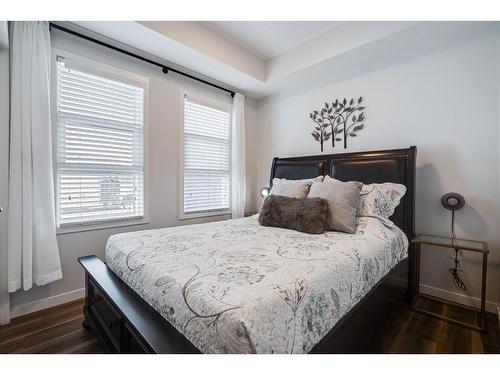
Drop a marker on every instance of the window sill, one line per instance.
(203, 214)
(98, 226)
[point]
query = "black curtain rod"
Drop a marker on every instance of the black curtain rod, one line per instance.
(165, 69)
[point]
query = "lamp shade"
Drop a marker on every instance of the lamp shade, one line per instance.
(453, 201)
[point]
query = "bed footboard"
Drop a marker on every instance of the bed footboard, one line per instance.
(123, 321)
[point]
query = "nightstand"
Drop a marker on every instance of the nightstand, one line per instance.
(441, 242)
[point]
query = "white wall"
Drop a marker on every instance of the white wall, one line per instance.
(164, 128)
(446, 103)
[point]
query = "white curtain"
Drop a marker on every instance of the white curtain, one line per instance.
(238, 152)
(4, 159)
(33, 255)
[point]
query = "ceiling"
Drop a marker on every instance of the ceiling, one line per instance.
(268, 39)
(261, 59)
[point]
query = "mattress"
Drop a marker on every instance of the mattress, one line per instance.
(237, 287)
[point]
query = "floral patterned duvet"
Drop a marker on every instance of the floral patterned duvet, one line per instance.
(238, 287)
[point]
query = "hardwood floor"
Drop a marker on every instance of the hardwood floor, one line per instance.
(413, 332)
(59, 330)
(55, 330)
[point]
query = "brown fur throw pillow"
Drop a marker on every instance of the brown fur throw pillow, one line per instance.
(305, 215)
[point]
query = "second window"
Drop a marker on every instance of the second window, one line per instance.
(206, 156)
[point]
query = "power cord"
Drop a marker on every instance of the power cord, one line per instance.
(454, 274)
(454, 271)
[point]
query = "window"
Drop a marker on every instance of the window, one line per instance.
(100, 143)
(206, 156)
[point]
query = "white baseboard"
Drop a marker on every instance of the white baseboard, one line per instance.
(45, 303)
(458, 298)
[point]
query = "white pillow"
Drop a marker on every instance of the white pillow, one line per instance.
(309, 180)
(293, 188)
(378, 199)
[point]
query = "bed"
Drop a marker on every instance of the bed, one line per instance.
(238, 287)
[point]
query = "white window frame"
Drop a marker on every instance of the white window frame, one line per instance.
(216, 102)
(111, 72)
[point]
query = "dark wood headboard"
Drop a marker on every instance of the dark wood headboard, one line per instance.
(396, 166)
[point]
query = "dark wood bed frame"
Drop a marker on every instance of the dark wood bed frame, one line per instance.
(127, 324)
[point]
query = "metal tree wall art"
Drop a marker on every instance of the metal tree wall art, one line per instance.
(338, 121)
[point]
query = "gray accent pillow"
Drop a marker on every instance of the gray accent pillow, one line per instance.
(304, 215)
(343, 200)
(293, 188)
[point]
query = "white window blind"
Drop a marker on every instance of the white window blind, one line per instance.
(100, 147)
(206, 157)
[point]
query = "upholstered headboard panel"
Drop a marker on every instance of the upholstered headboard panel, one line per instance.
(396, 166)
